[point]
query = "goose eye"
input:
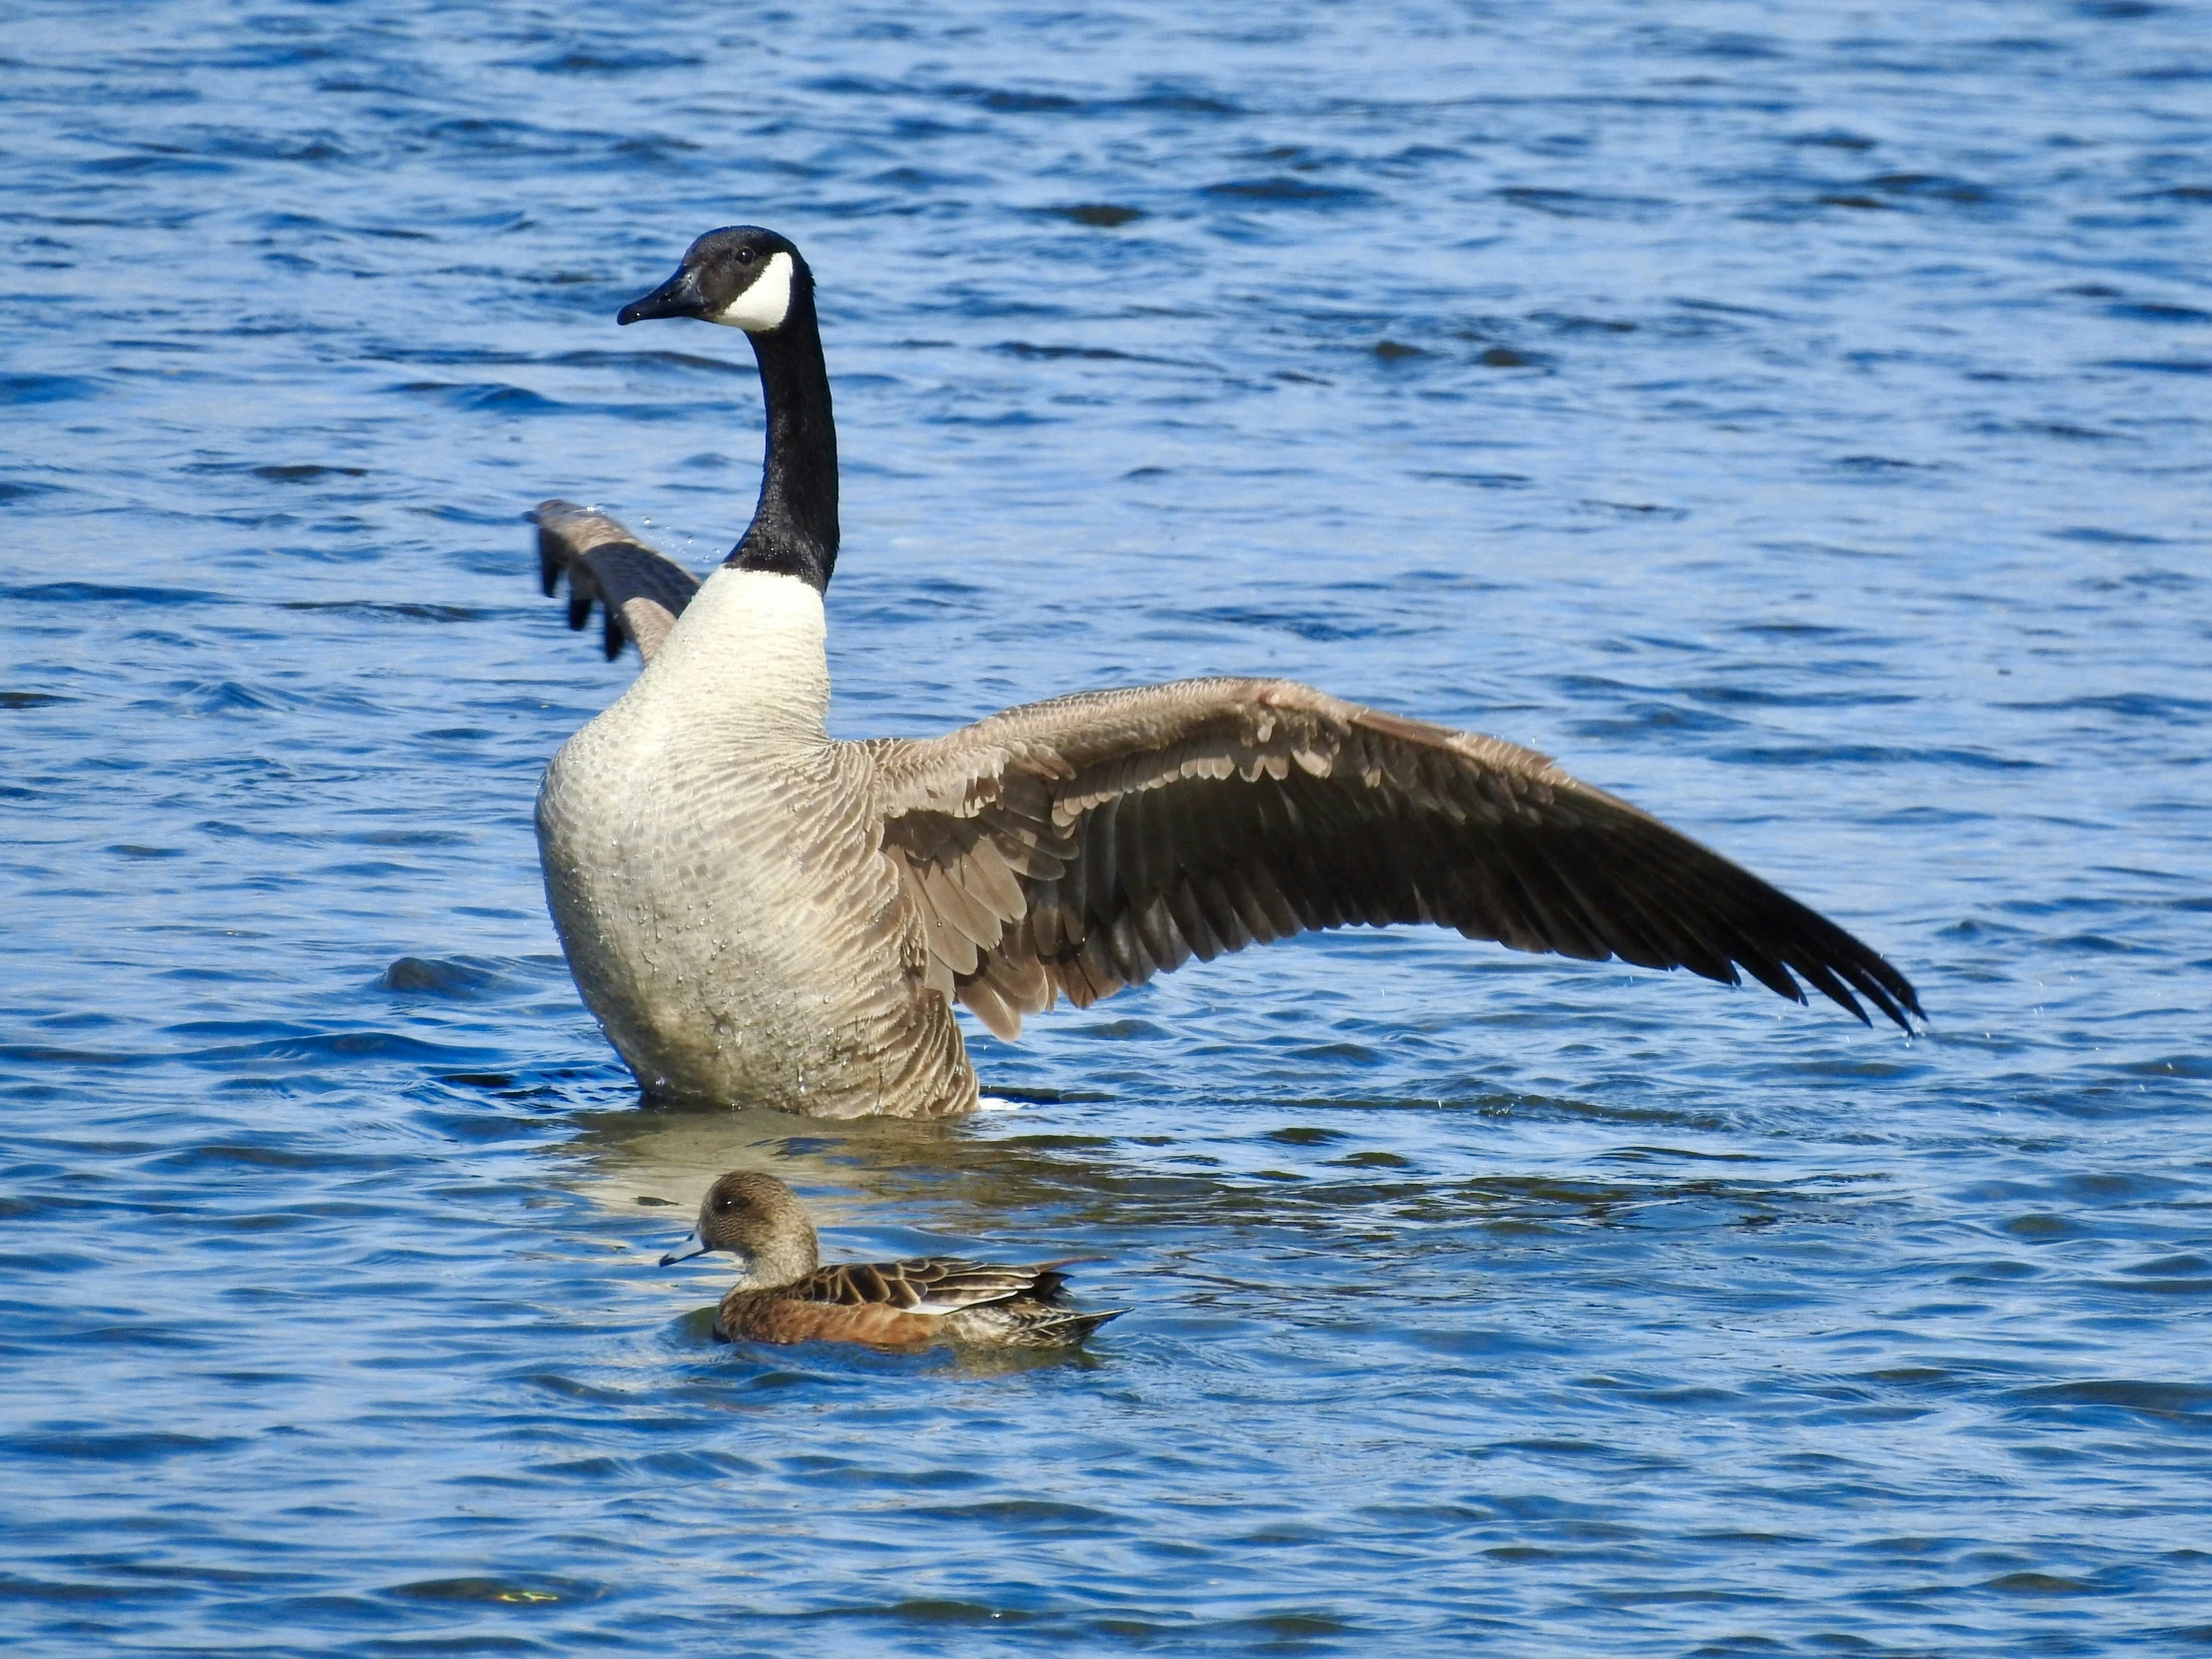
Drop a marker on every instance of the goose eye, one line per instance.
(744, 256)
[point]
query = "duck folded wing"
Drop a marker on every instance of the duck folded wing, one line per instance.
(1075, 847)
(930, 1285)
(640, 593)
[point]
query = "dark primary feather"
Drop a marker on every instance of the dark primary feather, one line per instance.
(1138, 828)
(640, 593)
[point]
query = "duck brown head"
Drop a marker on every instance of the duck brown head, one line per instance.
(759, 1221)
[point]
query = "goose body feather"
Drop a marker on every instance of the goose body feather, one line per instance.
(760, 912)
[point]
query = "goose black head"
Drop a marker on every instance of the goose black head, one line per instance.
(742, 277)
(750, 278)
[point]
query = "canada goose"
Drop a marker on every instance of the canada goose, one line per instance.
(786, 1296)
(760, 913)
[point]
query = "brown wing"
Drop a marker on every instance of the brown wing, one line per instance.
(640, 593)
(927, 1284)
(1086, 844)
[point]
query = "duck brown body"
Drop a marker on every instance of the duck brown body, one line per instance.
(774, 1316)
(786, 1296)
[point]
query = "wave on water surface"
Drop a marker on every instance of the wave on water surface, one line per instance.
(1794, 423)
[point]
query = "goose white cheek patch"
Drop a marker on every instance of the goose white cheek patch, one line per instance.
(763, 306)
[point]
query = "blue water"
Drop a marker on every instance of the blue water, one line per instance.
(1795, 418)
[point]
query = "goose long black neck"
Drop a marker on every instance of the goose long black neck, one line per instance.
(794, 527)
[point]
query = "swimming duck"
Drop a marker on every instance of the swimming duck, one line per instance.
(786, 1296)
(758, 913)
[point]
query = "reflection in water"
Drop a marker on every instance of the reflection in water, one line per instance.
(975, 1176)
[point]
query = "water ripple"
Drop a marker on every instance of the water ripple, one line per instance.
(1795, 425)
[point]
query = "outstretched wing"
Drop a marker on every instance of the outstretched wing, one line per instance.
(640, 593)
(928, 1285)
(1075, 847)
